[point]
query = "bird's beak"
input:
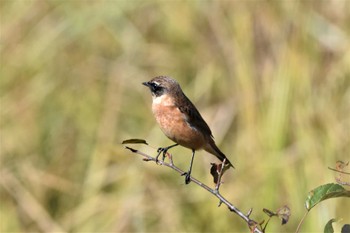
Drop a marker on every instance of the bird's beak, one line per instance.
(146, 84)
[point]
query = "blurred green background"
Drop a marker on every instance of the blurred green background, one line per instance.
(271, 78)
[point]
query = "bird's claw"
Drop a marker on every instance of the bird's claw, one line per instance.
(161, 150)
(187, 177)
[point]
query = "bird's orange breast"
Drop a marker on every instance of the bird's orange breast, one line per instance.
(174, 125)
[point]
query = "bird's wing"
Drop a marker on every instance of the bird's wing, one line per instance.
(193, 117)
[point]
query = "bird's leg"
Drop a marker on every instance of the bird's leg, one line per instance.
(188, 174)
(164, 151)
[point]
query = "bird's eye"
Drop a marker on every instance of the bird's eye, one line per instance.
(155, 87)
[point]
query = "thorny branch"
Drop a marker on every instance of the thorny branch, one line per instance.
(253, 225)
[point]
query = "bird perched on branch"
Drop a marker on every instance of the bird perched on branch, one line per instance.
(180, 120)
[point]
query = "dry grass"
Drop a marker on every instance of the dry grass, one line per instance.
(272, 78)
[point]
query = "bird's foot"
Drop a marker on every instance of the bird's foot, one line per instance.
(187, 177)
(164, 150)
(160, 150)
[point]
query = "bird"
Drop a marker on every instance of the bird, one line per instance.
(180, 121)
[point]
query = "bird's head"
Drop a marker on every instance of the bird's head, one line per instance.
(162, 85)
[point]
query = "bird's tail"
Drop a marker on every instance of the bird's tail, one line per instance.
(213, 149)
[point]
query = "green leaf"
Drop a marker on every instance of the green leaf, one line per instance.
(329, 228)
(325, 192)
(135, 141)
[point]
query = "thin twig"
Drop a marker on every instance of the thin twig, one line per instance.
(220, 175)
(333, 169)
(253, 225)
(301, 222)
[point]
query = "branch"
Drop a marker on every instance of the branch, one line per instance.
(253, 225)
(336, 170)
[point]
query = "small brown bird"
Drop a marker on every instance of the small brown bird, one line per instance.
(180, 120)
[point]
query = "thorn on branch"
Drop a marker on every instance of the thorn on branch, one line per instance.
(249, 212)
(220, 202)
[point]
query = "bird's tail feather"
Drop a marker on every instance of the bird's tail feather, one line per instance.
(213, 149)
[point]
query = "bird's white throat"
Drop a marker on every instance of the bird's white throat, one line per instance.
(164, 100)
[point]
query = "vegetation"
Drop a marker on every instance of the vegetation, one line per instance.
(271, 78)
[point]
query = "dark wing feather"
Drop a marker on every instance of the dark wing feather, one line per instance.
(194, 118)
